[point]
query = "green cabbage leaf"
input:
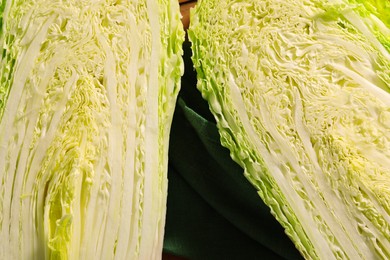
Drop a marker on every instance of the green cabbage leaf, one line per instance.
(87, 94)
(300, 90)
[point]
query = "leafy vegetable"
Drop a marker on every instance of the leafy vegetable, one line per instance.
(300, 91)
(87, 95)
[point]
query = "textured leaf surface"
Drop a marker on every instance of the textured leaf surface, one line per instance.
(87, 94)
(300, 92)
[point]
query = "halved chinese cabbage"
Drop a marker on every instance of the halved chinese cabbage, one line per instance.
(300, 92)
(87, 93)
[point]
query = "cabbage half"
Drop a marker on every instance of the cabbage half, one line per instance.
(87, 94)
(300, 91)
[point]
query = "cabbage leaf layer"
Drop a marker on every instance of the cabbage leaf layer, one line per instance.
(300, 91)
(87, 93)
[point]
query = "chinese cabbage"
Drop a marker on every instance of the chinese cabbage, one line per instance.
(300, 92)
(87, 94)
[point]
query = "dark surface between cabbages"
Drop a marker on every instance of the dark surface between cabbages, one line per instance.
(213, 212)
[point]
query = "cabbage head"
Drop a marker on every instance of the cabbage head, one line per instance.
(87, 93)
(300, 90)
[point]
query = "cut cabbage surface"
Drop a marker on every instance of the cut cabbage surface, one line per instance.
(300, 91)
(87, 94)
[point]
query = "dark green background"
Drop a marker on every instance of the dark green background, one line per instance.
(213, 212)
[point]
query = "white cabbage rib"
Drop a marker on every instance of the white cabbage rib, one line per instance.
(300, 91)
(87, 94)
